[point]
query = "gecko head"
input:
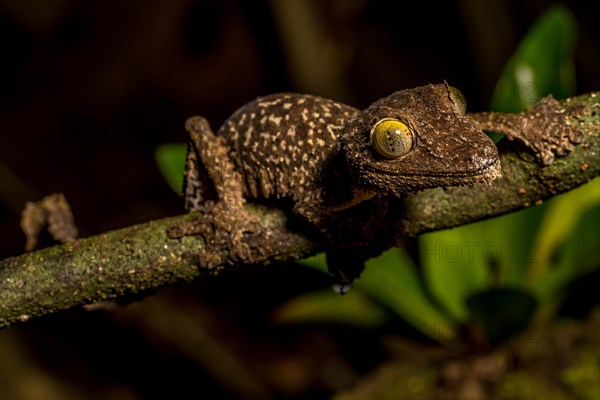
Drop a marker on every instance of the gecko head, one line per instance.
(417, 139)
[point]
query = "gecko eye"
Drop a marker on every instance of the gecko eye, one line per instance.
(391, 138)
(458, 100)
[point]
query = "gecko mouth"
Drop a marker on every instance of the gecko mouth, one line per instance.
(487, 171)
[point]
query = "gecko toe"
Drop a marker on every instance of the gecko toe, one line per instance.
(210, 260)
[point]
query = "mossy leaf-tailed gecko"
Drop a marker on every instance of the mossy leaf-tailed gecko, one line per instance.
(339, 171)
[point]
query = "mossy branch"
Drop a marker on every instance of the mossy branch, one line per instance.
(142, 257)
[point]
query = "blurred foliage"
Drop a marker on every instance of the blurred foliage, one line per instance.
(355, 309)
(392, 281)
(582, 375)
(170, 158)
(543, 64)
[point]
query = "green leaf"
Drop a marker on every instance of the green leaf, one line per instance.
(325, 306)
(502, 312)
(512, 237)
(543, 64)
(568, 241)
(392, 280)
(454, 268)
(563, 213)
(317, 262)
(460, 262)
(170, 158)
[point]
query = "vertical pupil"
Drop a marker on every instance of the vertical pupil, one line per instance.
(393, 139)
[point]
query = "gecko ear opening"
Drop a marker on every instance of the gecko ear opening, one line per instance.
(391, 138)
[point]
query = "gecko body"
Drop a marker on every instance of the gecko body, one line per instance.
(339, 171)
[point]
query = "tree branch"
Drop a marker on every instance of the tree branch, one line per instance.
(140, 258)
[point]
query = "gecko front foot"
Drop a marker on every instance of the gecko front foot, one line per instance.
(544, 129)
(229, 237)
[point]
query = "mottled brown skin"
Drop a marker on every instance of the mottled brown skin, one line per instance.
(313, 156)
(543, 129)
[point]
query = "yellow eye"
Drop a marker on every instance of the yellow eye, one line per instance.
(458, 99)
(391, 138)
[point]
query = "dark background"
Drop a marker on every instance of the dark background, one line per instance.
(88, 89)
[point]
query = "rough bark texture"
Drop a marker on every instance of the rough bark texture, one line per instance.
(141, 258)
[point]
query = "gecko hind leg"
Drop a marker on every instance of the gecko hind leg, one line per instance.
(214, 188)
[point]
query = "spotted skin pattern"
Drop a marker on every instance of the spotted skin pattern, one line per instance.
(279, 159)
(313, 157)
